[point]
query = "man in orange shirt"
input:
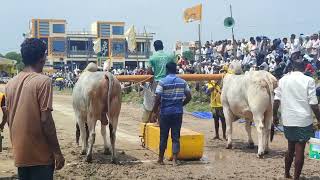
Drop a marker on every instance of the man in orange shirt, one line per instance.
(33, 135)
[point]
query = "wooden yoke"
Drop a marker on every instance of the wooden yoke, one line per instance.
(186, 77)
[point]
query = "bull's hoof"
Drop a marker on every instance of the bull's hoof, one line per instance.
(114, 160)
(107, 151)
(251, 145)
(83, 152)
(229, 146)
(89, 159)
(260, 156)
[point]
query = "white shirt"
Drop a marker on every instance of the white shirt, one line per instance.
(295, 47)
(296, 93)
(315, 47)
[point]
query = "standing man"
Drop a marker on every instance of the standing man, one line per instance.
(3, 108)
(172, 94)
(297, 95)
(157, 67)
(217, 111)
(33, 135)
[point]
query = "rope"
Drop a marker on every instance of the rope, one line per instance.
(143, 137)
(139, 82)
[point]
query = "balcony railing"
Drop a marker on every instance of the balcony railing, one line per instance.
(80, 52)
(139, 53)
(80, 33)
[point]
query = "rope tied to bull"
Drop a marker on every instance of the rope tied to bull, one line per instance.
(135, 83)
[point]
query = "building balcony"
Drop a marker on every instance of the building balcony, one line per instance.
(80, 52)
(139, 53)
(88, 34)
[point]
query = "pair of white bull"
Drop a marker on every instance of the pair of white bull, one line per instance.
(97, 96)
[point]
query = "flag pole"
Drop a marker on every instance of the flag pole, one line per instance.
(199, 35)
(233, 43)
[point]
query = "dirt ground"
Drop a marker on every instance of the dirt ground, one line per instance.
(139, 163)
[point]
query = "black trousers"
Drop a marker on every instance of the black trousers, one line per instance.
(42, 172)
(173, 122)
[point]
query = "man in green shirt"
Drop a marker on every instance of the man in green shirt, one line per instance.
(157, 67)
(159, 60)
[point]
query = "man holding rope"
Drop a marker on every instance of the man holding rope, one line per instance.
(157, 67)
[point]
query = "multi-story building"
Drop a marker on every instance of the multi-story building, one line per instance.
(76, 49)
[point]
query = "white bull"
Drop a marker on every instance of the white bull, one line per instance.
(97, 96)
(249, 96)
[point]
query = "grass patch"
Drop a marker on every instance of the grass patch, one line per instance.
(198, 106)
(199, 102)
(132, 97)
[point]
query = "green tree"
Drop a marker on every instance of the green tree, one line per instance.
(17, 57)
(1, 55)
(14, 56)
(188, 55)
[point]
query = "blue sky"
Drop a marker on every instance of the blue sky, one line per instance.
(274, 18)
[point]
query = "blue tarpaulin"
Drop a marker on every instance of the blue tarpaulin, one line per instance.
(203, 115)
(317, 134)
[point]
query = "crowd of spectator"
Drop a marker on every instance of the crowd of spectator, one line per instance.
(256, 53)
(64, 79)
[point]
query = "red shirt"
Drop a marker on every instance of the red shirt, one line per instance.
(309, 68)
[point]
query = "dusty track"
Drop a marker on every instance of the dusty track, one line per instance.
(139, 163)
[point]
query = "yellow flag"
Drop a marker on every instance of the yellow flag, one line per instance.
(193, 14)
(131, 38)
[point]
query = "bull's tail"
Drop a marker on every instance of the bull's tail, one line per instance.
(270, 82)
(272, 132)
(110, 78)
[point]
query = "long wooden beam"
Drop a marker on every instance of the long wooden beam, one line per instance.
(187, 77)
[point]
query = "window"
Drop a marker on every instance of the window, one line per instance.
(118, 48)
(44, 28)
(117, 30)
(58, 28)
(78, 45)
(58, 46)
(117, 65)
(104, 48)
(104, 30)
